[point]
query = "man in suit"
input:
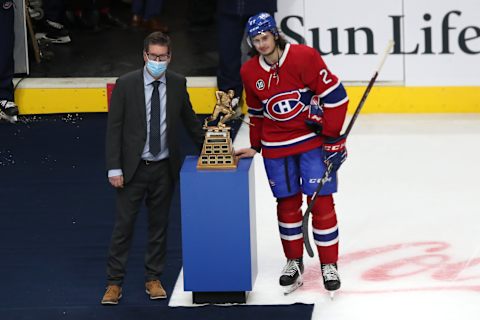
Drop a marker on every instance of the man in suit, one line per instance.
(143, 159)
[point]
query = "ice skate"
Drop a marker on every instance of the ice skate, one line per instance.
(53, 32)
(291, 278)
(8, 111)
(331, 278)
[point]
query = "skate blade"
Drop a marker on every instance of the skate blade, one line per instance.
(332, 294)
(43, 37)
(65, 39)
(292, 288)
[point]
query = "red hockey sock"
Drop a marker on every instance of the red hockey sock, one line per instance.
(289, 214)
(325, 229)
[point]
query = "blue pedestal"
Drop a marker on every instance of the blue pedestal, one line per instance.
(218, 232)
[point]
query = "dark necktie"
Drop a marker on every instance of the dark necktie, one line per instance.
(155, 121)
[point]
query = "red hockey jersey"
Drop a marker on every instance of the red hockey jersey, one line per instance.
(278, 101)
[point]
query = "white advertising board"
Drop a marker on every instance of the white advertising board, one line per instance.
(442, 43)
(351, 35)
(437, 42)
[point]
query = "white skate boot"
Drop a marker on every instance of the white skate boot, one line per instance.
(291, 278)
(8, 111)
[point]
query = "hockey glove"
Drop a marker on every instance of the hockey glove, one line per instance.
(315, 117)
(335, 151)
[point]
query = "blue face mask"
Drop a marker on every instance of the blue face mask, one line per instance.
(156, 68)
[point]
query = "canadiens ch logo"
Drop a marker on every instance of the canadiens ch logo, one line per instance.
(260, 84)
(7, 5)
(284, 106)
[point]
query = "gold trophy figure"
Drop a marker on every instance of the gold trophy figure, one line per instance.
(217, 151)
(223, 106)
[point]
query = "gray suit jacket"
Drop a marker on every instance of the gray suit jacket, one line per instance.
(127, 124)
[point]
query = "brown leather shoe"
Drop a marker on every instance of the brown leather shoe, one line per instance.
(155, 290)
(155, 25)
(112, 295)
(137, 21)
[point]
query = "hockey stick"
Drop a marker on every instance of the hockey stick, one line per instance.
(326, 175)
(36, 49)
(249, 123)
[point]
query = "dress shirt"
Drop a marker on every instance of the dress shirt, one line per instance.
(148, 89)
(162, 89)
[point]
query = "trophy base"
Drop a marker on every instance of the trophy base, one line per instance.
(217, 162)
(217, 152)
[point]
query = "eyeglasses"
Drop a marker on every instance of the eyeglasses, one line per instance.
(160, 57)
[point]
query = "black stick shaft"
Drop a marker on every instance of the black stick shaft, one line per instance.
(306, 239)
(326, 175)
(360, 105)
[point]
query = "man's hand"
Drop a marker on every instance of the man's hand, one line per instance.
(335, 151)
(116, 181)
(245, 153)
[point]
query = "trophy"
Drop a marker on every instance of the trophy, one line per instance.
(217, 151)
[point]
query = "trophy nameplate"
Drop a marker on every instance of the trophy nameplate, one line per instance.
(217, 152)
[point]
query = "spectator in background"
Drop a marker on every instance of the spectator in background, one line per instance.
(93, 15)
(201, 14)
(146, 14)
(8, 109)
(52, 27)
(232, 16)
(106, 17)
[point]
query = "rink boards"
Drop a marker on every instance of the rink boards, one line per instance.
(78, 95)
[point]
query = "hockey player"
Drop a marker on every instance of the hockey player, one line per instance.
(8, 109)
(298, 108)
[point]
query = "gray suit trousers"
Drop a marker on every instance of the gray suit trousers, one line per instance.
(153, 183)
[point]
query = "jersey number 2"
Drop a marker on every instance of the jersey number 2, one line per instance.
(324, 74)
